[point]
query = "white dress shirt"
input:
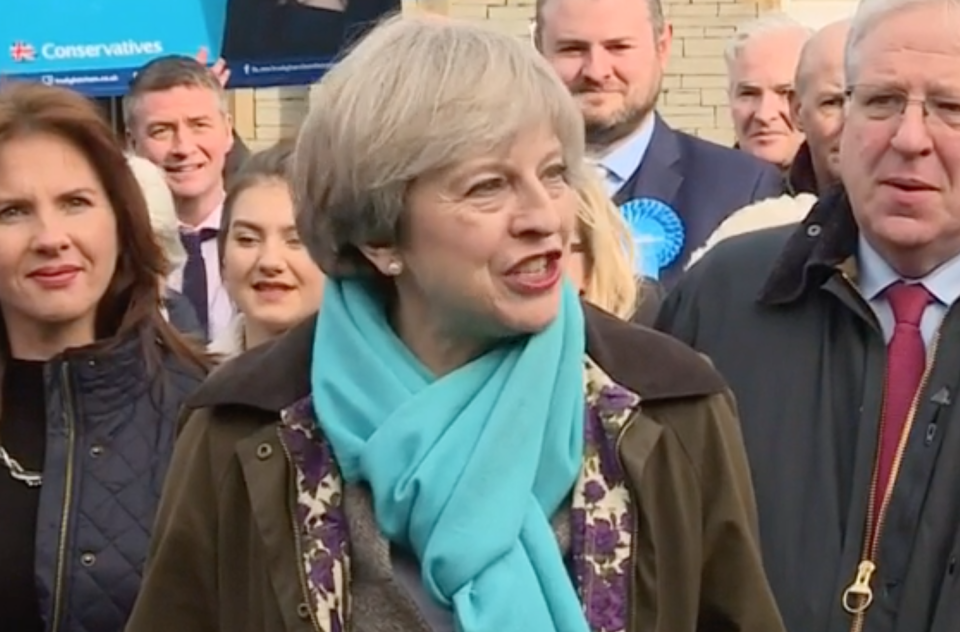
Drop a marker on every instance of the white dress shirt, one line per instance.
(876, 275)
(219, 307)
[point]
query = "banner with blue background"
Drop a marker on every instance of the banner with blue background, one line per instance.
(96, 46)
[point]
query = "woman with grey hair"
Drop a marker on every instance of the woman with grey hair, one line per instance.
(456, 442)
(166, 227)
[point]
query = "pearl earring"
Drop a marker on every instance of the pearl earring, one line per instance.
(394, 268)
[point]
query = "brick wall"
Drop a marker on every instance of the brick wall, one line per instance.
(817, 13)
(694, 89)
(694, 96)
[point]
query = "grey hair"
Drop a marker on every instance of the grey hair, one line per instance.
(654, 8)
(166, 73)
(160, 204)
(764, 25)
(868, 15)
(418, 94)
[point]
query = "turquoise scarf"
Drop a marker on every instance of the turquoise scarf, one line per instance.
(465, 470)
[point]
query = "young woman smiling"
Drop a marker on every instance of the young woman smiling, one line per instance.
(267, 272)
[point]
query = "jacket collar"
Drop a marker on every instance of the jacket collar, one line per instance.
(660, 174)
(825, 239)
(801, 177)
(654, 366)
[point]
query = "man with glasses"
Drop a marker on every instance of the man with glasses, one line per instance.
(840, 341)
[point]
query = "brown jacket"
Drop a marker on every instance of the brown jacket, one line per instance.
(229, 548)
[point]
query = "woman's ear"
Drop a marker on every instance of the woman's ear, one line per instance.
(385, 259)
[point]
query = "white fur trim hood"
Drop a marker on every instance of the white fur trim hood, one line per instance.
(230, 342)
(779, 211)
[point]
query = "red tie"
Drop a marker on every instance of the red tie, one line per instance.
(906, 362)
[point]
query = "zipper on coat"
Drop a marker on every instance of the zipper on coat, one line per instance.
(298, 539)
(858, 597)
(634, 529)
(61, 571)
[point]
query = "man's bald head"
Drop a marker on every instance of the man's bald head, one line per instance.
(822, 55)
(817, 103)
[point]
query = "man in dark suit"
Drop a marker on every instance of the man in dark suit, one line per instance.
(612, 54)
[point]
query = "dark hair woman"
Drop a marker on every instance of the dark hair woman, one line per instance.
(93, 376)
(269, 275)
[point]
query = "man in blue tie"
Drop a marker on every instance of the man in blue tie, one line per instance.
(612, 54)
(176, 117)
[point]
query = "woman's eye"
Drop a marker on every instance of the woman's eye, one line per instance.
(487, 187)
(556, 172)
(9, 213)
(78, 203)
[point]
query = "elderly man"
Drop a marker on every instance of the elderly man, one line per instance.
(817, 109)
(761, 62)
(817, 106)
(842, 344)
(612, 55)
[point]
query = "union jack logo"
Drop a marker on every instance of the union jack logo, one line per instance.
(21, 52)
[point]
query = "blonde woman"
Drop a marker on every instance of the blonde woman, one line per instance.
(602, 265)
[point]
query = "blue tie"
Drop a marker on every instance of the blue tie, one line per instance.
(195, 273)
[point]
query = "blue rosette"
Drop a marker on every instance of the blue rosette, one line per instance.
(658, 234)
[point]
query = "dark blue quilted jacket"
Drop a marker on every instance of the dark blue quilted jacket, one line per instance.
(111, 425)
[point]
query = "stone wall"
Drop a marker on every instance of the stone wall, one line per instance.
(694, 96)
(694, 89)
(817, 13)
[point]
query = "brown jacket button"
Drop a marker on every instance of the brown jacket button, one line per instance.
(264, 451)
(303, 611)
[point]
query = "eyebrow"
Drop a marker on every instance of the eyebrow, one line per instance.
(553, 155)
(13, 201)
(754, 86)
(577, 39)
(173, 120)
(27, 201)
(77, 192)
(248, 225)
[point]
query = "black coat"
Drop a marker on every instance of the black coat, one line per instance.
(111, 423)
(779, 314)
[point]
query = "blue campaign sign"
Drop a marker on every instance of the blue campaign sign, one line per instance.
(96, 46)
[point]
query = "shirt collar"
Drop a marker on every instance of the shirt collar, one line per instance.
(623, 161)
(212, 220)
(876, 275)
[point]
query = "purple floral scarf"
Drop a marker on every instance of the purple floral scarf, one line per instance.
(602, 516)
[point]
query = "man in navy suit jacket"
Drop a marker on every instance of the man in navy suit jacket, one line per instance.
(612, 54)
(702, 181)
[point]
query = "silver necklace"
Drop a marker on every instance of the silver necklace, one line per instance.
(18, 472)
